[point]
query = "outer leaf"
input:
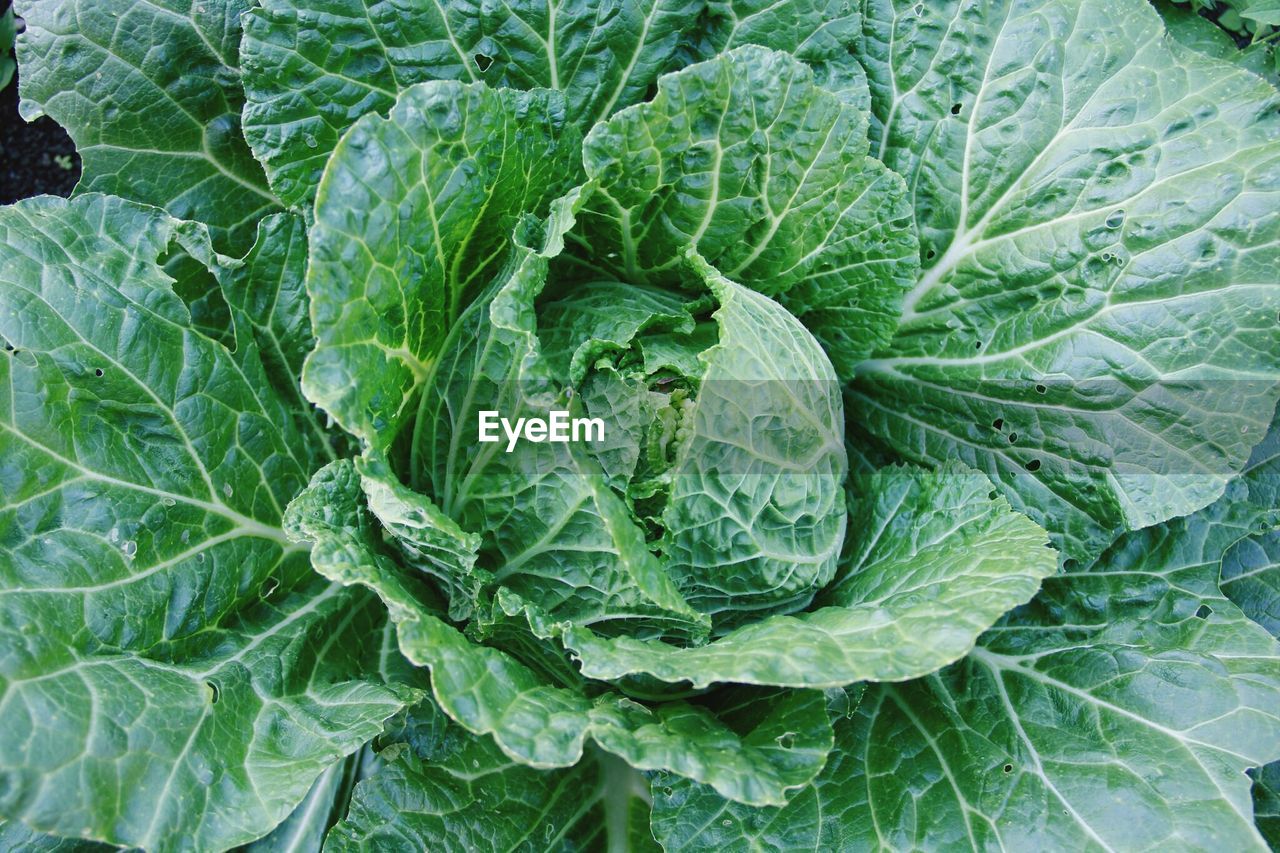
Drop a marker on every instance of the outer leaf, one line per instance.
(1098, 214)
(152, 601)
(413, 216)
(1118, 711)
(150, 92)
(489, 692)
(317, 65)
(747, 160)
(447, 789)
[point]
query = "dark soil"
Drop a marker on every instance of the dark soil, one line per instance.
(35, 158)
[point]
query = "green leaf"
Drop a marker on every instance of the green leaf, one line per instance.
(15, 836)
(755, 519)
(1119, 710)
(304, 830)
(754, 754)
(152, 601)
(8, 33)
(543, 512)
(747, 160)
(1266, 802)
(821, 33)
(1251, 578)
(314, 66)
(438, 782)
(150, 92)
(414, 216)
(1094, 326)
(267, 300)
(1265, 12)
(933, 561)
(1251, 568)
(1199, 33)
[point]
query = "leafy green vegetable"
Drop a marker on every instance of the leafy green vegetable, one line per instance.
(151, 94)
(918, 485)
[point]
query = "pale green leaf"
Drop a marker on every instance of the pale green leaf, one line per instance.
(1094, 327)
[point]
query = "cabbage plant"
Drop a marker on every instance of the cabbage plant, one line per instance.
(931, 501)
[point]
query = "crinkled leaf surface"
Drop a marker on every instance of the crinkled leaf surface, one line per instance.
(549, 527)
(755, 517)
(151, 94)
(821, 33)
(152, 601)
(414, 216)
(1119, 710)
(933, 561)
(746, 159)
(438, 782)
(753, 757)
(315, 66)
(1094, 326)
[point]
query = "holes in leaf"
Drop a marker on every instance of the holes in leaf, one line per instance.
(998, 423)
(269, 586)
(1013, 438)
(977, 344)
(991, 495)
(483, 62)
(1008, 768)
(1204, 611)
(1069, 564)
(1033, 465)
(214, 692)
(98, 372)
(955, 109)
(930, 255)
(1040, 389)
